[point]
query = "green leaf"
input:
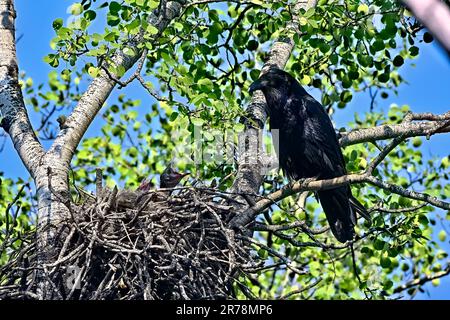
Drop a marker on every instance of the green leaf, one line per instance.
(427, 37)
(173, 116)
(385, 262)
(252, 45)
(303, 21)
(346, 96)
(114, 7)
(384, 77)
(206, 83)
(197, 122)
(93, 72)
(112, 20)
(378, 45)
(239, 127)
(76, 9)
(423, 219)
(398, 61)
(379, 245)
(58, 23)
(152, 29)
(388, 285)
(116, 131)
(111, 37)
(305, 80)
(363, 8)
(417, 142)
(52, 60)
(128, 51)
(254, 74)
(90, 15)
(310, 12)
(442, 235)
(414, 51)
(153, 4)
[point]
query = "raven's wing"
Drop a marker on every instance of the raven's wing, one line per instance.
(323, 149)
(308, 145)
(339, 203)
(323, 146)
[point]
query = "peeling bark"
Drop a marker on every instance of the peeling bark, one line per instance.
(52, 179)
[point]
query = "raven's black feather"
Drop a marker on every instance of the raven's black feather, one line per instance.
(308, 146)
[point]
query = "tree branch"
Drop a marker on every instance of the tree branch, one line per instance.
(384, 153)
(305, 288)
(422, 280)
(399, 210)
(433, 124)
(100, 88)
(13, 114)
(249, 215)
(408, 193)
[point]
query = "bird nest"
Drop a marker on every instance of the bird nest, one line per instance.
(134, 245)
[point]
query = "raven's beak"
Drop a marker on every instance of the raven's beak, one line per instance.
(257, 85)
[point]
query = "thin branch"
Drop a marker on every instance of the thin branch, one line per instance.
(408, 193)
(309, 286)
(140, 65)
(244, 219)
(200, 2)
(422, 280)
(400, 210)
(407, 129)
(274, 253)
(284, 227)
(384, 153)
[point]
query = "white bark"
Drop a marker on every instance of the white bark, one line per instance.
(12, 108)
(63, 148)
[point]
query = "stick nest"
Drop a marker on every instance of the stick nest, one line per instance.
(133, 245)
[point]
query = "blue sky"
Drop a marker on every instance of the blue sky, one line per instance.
(428, 89)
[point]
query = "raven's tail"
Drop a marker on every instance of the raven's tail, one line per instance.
(340, 207)
(339, 212)
(358, 207)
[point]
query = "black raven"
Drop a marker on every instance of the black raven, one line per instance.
(308, 146)
(170, 178)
